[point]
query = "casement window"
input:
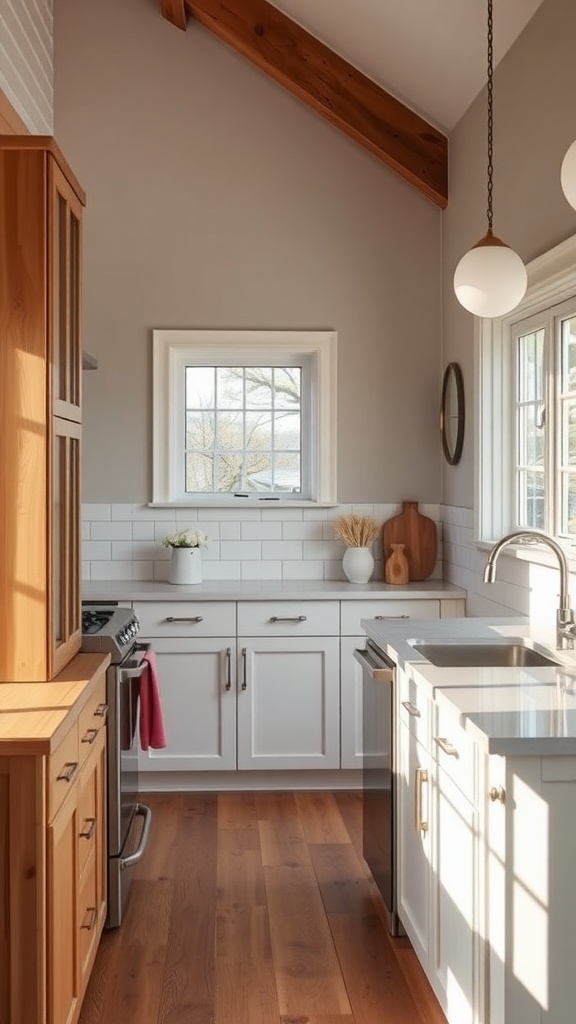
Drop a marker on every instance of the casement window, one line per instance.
(244, 415)
(527, 407)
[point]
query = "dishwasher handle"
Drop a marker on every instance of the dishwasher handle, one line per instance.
(381, 674)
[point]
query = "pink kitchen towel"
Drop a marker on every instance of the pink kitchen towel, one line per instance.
(152, 732)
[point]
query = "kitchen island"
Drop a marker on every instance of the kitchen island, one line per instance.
(486, 788)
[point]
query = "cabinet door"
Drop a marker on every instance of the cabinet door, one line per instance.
(288, 702)
(64, 530)
(63, 992)
(198, 692)
(351, 726)
(65, 347)
(414, 841)
(455, 878)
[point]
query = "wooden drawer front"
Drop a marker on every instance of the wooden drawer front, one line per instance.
(88, 823)
(88, 931)
(63, 768)
(354, 611)
(414, 709)
(454, 750)
(288, 618)
(92, 720)
(187, 618)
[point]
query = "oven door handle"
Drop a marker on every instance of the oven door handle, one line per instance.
(375, 671)
(137, 671)
(142, 811)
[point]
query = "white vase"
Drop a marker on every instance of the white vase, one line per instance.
(186, 566)
(358, 564)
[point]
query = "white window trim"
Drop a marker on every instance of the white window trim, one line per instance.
(551, 280)
(319, 347)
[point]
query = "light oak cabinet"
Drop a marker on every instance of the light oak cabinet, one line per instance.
(52, 884)
(40, 369)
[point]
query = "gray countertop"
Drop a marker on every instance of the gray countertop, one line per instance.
(512, 711)
(267, 590)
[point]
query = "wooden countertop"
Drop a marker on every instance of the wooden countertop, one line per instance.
(35, 716)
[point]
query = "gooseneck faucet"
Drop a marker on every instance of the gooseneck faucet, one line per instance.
(565, 625)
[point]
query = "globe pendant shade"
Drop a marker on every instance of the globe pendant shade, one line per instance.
(490, 279)
(568, 175)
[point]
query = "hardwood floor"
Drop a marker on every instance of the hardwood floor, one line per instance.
(256, 908)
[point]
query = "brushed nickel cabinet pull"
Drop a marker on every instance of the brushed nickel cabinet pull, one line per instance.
(187, 618)
(89, 826)
(421, 780)
(68, 771)
(287, 618)
(497, 793)
(446, 746)
(89, 919)
(411, 709)
(90, 735)
(101, 711)
(228, 668)
(380, 617)
(244, 682)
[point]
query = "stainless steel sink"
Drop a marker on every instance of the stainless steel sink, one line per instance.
(478, 654)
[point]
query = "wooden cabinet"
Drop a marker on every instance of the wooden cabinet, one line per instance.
(52, 883)
(40, 368)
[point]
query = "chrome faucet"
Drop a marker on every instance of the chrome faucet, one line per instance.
(565, 624)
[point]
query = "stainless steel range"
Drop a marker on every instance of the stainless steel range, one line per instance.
(110, 629)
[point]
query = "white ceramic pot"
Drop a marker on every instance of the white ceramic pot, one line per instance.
(358, 564)
(186, 566)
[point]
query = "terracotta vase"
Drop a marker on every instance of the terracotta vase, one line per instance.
(396, 568)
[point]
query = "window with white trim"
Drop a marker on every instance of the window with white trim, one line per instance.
(244, 415)
(527, 406)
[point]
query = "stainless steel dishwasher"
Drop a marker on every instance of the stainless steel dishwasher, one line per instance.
(379, 782)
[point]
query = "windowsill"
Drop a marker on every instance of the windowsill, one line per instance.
(244, 503)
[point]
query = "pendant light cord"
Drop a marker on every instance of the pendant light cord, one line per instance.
(489, 89)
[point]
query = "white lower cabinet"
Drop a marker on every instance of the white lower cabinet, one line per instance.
(288, 702)
(198, 689)
(439, 852)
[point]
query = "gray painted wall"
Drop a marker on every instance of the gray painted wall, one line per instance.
(216, 199)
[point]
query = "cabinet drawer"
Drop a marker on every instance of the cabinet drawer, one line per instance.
(353, 612)
(92, 720)
(63, 768)
(88, 824)
(288, 618)
(186, 618)
(454, 751)
(414, 708)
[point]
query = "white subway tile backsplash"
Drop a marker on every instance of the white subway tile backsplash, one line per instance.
(111, 531)
(261, 531)
(124, 541)
(281, 549)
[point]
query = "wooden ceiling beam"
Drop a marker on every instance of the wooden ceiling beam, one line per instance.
(175, 11)
(407, 143)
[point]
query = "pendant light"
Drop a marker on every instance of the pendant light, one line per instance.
(568, 175)
(490, 279)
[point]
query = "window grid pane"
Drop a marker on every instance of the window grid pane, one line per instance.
(246, 421)
(530, 431)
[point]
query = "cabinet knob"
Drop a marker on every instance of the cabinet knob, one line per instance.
(497, 793)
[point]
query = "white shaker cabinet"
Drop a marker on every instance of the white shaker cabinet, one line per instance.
(195, 647)
(288, 685)
(439, 851)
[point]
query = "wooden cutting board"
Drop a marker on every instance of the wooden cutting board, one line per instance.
(419, 535)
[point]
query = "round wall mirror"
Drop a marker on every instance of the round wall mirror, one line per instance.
(452, 413)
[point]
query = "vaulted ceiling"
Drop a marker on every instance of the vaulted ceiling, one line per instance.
(385, 73)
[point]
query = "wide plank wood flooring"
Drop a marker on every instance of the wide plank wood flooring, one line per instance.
(256, 908)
